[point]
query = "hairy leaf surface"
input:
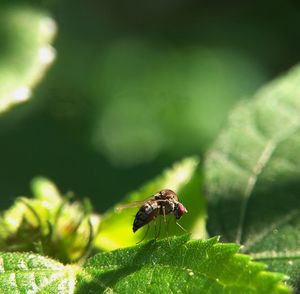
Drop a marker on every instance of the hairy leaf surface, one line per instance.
(178, 265)
(31, 273)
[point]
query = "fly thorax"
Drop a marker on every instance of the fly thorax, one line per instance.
(149, 207)
(170, 208)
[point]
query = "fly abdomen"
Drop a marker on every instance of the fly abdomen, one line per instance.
(145, 214)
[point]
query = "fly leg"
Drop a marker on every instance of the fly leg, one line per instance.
(144, 235)
(155, 229)
(157, 232)
(166, 224)
(180, 226)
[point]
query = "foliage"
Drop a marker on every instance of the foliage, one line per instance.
(25, 52)
(31, 273)
(252, 177)
(178, 264)
(48, 224)
(164, 89)
(51, 244)
(164, 267)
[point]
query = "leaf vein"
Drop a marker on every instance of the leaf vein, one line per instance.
(258, 167)
(275, 255)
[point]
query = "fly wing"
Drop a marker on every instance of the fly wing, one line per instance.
(133, 204)
(165, 194)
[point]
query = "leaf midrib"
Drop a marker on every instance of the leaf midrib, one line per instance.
(264, 158)
(267, 255)
(251, 183)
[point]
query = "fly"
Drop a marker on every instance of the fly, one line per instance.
(163, 203)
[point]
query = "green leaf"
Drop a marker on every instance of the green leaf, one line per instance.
(178, 265)
(48, 224)
(185, 179)
(31, 273)
(253, 177)
(167, 266)
(25, 52)
(174, 81)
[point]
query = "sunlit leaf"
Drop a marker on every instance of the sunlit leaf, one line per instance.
(185, 179)
(31, 273)
(178, 266)
(25, 52)
(253, 177)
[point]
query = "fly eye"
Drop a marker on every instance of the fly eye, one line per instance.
(181, 210)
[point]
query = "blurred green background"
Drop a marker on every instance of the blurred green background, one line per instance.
(136, 85)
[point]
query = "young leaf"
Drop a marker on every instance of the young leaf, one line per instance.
(178, 266)
(48, 224)
(31, 273)
(253, 177)
(25, 52)
(185, 179)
